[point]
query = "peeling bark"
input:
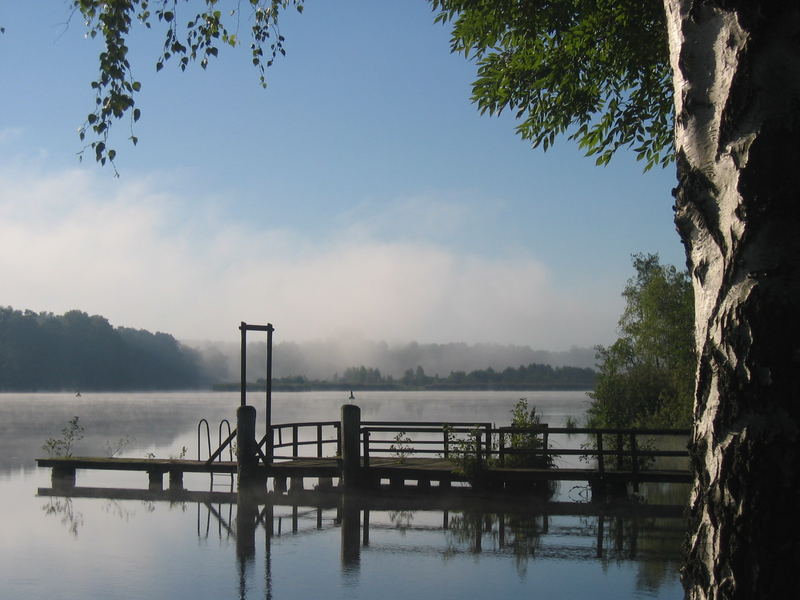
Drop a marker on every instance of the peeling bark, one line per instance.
(736, 68)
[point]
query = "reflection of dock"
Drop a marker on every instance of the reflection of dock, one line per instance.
(383, 501)
(498, 524)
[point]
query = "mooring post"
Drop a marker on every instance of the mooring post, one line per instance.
(351, 456)
(247, 447)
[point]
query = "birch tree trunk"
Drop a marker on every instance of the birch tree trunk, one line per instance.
(736, 71)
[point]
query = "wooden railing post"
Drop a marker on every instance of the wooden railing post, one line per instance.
(634, 463)
(295, 446)
(545, 442)
(476, 440)
(319, 441)
(502, 449)
(446, 441)
(600, 465)
(488, 431)
(366, 449)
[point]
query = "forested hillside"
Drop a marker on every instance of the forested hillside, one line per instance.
(75, 351)
(79, 352)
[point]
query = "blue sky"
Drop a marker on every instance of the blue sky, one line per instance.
(360, 194)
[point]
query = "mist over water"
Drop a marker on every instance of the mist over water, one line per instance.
(325, 358)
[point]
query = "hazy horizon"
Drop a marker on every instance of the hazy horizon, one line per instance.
(322, 359)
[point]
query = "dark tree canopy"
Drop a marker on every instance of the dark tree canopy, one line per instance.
(75, 351)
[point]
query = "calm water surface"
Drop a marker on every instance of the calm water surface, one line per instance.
(55, 547)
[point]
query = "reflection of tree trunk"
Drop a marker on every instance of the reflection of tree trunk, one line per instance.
(737, 99)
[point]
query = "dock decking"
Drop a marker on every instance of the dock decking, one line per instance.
(398, 472)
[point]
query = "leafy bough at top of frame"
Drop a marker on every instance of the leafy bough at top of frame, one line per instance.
(196, 39)
(597, 72)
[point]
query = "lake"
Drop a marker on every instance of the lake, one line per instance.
(57, 547)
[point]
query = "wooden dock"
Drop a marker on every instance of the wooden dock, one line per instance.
(396, 473)
(425, 455)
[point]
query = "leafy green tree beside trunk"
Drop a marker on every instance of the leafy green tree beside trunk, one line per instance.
(646, 377)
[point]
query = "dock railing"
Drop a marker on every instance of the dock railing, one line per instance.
(429, 438)
(290, 435)
(631, 449)
(500, 447)
(508, 447)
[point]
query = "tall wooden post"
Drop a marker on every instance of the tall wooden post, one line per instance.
(268, 450)
(351, 455)
(243, 366)
(244, 328)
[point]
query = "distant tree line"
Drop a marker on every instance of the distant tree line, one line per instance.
(75, 351)
(532, 376)
(320, 359)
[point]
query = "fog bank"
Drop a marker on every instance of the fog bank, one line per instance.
(323, 359)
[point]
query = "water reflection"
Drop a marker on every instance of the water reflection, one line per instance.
(64, 510)
(375, 524)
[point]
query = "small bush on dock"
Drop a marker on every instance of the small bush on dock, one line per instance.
(527, 448)
(71, 433)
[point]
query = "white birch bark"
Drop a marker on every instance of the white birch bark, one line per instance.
(736, 72)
